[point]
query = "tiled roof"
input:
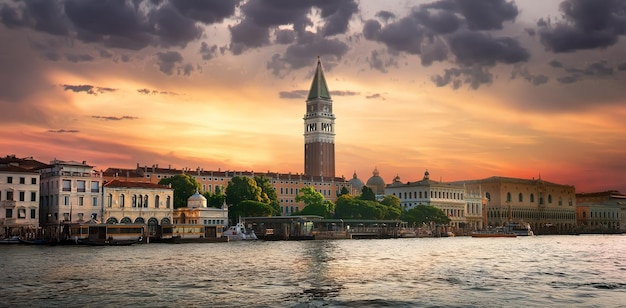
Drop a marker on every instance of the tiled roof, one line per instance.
(16, 169)
(125, 184)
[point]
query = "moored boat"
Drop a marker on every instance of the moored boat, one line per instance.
(239, 232)
(497, 232)
(10, 240)
(35, 242)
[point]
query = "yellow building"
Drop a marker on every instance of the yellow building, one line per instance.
(547, 207)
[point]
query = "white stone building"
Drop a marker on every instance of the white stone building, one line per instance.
(19, 200)
(138, 203)
(71, 192)
(199, 221)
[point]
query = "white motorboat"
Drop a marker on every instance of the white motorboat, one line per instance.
(239, 232)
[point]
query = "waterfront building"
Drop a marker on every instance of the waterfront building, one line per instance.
(319, 128)
(19, 197)
(287, 185)
(129, 202)
(601, 211)
(547, 207)
(70, 192)
(449, 197)
(199, 221)
(376, 183)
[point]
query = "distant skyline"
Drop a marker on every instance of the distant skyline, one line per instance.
(463, 89)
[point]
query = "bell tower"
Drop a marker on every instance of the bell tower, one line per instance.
(319, 128)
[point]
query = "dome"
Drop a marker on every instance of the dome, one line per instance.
(376, 183)
(356, 183)
(196, 200)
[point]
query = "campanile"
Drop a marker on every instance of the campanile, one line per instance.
(319, 128)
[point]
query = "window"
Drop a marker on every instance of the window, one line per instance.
(9, 213)
(134, 201)
(80, 186)
(488, 196)
(560, 201)
(66, 216)
(549, 198)
(10, 195)
(168, 201)
(145, 201)
(80, 216)
(33, 180)
(122, 200)
(9, 179)
(81, 200)
(22, 180)
(508, 197)
(66, 200)
(520, 197)
(22, 196)
(109, 200)
(94, 201)
(95, 187)
(67, 185)
(156, 201)
(532, 198)
(33, 213)
(33, 196)
(21, 213)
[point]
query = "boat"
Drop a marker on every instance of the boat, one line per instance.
(109, 242)
(497, 232)
(35, 242)
(239, 232)
(10, 240)
(519, 228)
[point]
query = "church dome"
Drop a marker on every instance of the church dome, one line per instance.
(376, 183)
(196, 201)
(356, 183)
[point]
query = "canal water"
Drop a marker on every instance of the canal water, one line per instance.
(551, 271)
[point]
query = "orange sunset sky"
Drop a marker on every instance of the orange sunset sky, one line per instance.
(465, 89)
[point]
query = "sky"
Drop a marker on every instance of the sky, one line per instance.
(463, 89)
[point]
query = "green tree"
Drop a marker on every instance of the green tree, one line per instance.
(314, 202)
(367, 194)
(268, 193)
(394, 209)
(184, 186)
(425, 214)
(250, 208)
(240, 189)
(215, 199)
(344, 191)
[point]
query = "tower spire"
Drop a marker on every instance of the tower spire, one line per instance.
(319, 89)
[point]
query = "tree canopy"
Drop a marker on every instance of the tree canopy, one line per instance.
(184, 186)
(215, 199)
(314, 202)
(425, 214)
(367, 194)
(268, 192)
(250, 208)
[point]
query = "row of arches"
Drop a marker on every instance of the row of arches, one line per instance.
(139, 220)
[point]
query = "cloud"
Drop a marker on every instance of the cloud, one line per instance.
(587, 24)
(167, 60)
(535, 80)
(208, 52)
(474, 76)
(597, 69)
(112, 118)
(154, 92)
(375, 96)
(63, 131)
(381, 62)
(79, 58)
(302, 94)
(89, 89)
(120, 24)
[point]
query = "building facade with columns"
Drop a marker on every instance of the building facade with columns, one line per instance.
(548, 207)
(138, 203)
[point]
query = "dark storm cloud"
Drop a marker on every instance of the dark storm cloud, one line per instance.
(386, 16)
(520, 72)
(105, 54)
(89, 89)
(587, 24)
(262, 18)
(64, 131)
(208, 52)
(594, 70)
(302, 54)
(120, 24)
(433, 31)
(112, 118)
(168, 60)
(74, 58)
(381, 62)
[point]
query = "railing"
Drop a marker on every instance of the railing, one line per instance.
(8, 203)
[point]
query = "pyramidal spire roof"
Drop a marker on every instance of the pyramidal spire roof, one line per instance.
(319, 89)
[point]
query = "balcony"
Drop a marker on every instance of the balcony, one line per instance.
(7, 203)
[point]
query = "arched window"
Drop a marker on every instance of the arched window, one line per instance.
(168, 202)
(560, 201)
(532, 197)
(508, 197)
(165, 221)
(122, 202)
(126, 220)
(145, 201)
(140, 201)
(109, 200)
(134, 201)
(139, 220)
(156, 201)
(520, 197)
(112, 221)
(488, 196)
(549, 198)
